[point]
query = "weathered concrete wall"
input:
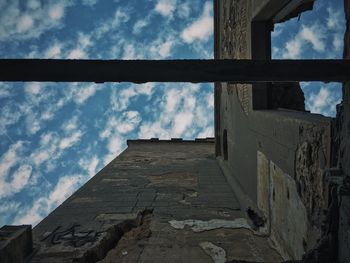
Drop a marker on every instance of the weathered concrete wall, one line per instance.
(296, 143)
(16, 244)
(159, 201)
(173, 180)
(343, 120)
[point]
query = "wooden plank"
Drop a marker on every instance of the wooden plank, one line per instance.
(141, 71)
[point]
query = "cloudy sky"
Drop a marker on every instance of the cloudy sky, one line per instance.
(54, 137)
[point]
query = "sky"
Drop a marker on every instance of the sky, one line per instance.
(56, 136)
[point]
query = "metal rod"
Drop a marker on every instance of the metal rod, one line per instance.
(141, 71)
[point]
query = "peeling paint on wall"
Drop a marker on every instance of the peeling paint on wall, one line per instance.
(218, 254)
(310, 164)
(200, 226)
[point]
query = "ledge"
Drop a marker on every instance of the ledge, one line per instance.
(172, 140)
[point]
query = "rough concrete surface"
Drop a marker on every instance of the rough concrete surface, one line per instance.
(156, 202)
(343, 120)
(15, 243)
(269, 122)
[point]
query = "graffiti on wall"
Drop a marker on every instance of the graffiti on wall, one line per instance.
(71, 236)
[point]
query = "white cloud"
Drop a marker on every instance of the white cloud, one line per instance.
(121, 124)
(165, 7)
(165, 48)
(89, 165)
(33, 124)
(20, 21)
(77, 53)
(9, 115)
(64, 188)
(202, 28)
(33, 4)
(38, 106)
(154, 130)
(162, 49)
(56, 11)
(52, 145)
(47, 150)
(139, 25)
(20, 178)
(128, 122)
(70, 125)
(183, 113)
(115, 146)
(207, 132)
(129, 52)
(324, 101)
(338, 42)
(116, 126)
(181, 122)
(40, 156)
(312, 35)
(33, 88)
(24, 23)
(79, 93)
(10, 158)
(293, 48)
(333, 20)
(89, 2)
(54, 51)
(336, 25)
(184, 10)
(4, 91)
(6, 209)
(80, 51)
(120, 99)
(11, 183)
(108, 26)
(84, 40)
(69, 141)
(83, 93)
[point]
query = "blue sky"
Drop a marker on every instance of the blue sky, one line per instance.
(55, 136)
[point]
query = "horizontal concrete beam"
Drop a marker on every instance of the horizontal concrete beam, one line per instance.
(279, 10)
(293, 9)
(141, 71)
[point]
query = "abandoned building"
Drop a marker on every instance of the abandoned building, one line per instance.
(272, 186)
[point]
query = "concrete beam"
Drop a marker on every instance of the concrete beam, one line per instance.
(293, 9)
(141, 71)
(278, 10)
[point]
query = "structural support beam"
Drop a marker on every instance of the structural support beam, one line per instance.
(279, 10)
(141, 71)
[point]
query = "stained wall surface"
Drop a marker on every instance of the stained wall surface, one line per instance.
(159, 201)
(343, 123)
(254, 121)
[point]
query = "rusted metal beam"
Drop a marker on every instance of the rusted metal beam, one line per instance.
(141, 71)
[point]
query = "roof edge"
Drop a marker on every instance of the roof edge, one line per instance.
(172, 140)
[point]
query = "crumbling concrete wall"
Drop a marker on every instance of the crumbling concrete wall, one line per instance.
(294, 143)
(343, 153)
(148, 178)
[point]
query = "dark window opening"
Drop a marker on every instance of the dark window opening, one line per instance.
(225, 146)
